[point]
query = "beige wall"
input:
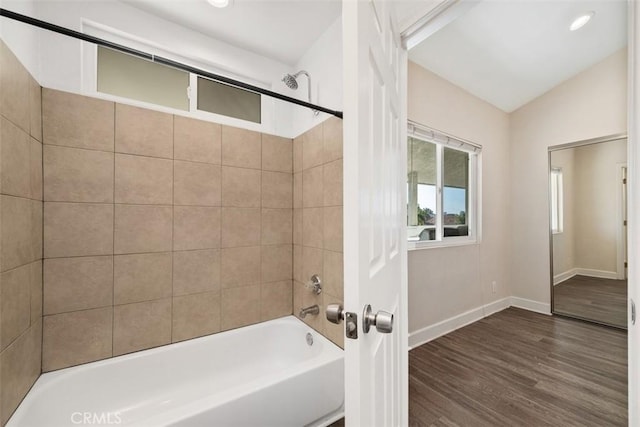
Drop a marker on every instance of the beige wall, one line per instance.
(449, 281)
(597, 198)
(20, 232)
(317, 225)
(589, 105)
(564, 259)
(158, 228)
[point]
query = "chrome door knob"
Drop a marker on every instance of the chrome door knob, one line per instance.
(382, 320)
(335, 313)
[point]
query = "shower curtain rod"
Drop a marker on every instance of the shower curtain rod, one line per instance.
(160, 60)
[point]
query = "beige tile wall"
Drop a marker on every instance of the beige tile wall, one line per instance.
(317, 222)
(20, 232)
(158, 228)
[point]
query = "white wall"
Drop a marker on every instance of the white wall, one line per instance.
(323, 61)
(597, 214)
(61, 54)
(61, 63)
(445, 282)
(589, 105)
(23, 40)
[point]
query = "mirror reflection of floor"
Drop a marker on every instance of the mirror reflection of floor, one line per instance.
(600, 300)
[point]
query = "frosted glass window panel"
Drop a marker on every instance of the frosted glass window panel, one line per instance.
(422, 172)
(130, 77)
(423, 161)
(230, 101)
(456, 168)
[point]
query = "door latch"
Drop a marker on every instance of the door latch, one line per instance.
(336, 314)
(633, 312)
(351, 325)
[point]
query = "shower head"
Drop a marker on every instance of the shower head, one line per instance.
(291, 80)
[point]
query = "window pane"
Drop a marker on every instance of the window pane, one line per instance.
(229, 101)
(421, 188)
(455, 195)
(135, 78)
(556, 200)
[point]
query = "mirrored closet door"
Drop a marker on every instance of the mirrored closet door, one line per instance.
(587, 202)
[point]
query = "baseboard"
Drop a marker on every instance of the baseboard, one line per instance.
(600, 274)
(429, 333)
(559, 278)
(424, 335)
(531, 305)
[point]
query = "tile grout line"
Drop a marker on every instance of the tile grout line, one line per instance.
(123, 153)
(113, 241)
(42, 230)
(220, 237)
(261, 302)
(173, 203)
(293, 226)
(321, 272)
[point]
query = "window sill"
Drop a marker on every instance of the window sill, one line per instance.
(450, 242)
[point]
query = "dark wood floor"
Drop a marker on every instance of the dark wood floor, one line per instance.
(518, 368)
(601, 300)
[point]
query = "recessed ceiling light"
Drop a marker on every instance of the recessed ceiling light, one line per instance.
(581, 21)
(219, 3)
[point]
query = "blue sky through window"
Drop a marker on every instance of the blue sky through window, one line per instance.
(454, 198)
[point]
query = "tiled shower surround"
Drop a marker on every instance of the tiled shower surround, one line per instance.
(20, 232)
(160, 228)
(317, 222)
(155, 228)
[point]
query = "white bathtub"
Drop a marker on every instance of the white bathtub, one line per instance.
(259, 375)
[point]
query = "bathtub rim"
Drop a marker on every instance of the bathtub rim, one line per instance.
(334, 348)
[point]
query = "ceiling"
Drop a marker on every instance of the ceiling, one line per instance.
(510, 52)
(279, 29)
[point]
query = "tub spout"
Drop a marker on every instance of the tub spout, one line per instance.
(314, 309)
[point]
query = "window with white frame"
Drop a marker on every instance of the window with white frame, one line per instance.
(555, 182)
(442, 204)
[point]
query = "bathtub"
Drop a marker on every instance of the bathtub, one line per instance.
(260, 375)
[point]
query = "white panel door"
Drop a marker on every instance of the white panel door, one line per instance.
(376, 364)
